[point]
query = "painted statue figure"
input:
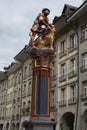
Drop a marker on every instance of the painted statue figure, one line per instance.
(43, 29)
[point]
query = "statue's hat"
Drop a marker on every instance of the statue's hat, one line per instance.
(46, 10)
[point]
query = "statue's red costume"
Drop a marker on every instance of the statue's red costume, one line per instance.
(40, 26)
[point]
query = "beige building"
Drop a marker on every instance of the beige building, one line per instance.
(66, 58)
(15, 92)
(3, 97)
(68, 100)
(26, 86)
(71, 32)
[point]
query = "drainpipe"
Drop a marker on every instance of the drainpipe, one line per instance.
(78, 100)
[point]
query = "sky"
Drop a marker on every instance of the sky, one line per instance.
(16, 19)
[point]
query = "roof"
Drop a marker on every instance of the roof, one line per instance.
(68, 8)
(22, 56)
(63, 21)
(79, 12)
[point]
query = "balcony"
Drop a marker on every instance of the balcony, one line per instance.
(83, 97)
(15, 84)
(9, 102)
(17, 116)
(62, 103)
(26, 110)
(72, 74)
(83, 68)
(62, 78)
(25, 77)
(62, 53)
(2, 103)
(30, 75)
(29, 93)
(14, 101)
(53, 107)
(18, 99)
(2, 118)
(23, 94)
(19, 81)
(83, 38)
(72, 48)
(8, 117)
(72, 101)
(13, 117)
(53, 78)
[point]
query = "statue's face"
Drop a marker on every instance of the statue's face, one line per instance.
(46, 12)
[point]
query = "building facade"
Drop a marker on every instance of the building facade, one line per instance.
(71, 48)
(68, 96)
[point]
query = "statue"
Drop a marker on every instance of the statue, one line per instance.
(43, 29)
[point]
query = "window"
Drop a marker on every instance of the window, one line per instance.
(19, 93)
(25, 71)
(24, 104)
(62, 101)
(84, 60)
(24, 91)
(45, 62)
(63, 47)
(29, 89)
(18, 109)
(14, 110)
(11, 96)
(73, 91)
(15, 80)
(25, 88)
(38, 62)
(30, 69)
(20, 78)
(72, 41)
(52, 99)
(63, 96)
(84, 91)
(84, 32)
(63, 73)
(84, 84)
(29, 104)
(63, 70)
(53, 68)
(73, 65)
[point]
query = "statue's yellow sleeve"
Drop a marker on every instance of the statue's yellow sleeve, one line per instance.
(40, 17)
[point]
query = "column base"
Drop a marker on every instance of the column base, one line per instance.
(39, 123)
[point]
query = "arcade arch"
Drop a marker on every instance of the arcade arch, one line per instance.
(67, 121)
(84, 120)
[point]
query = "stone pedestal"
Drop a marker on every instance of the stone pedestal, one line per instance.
(40, 108)
(41, 124)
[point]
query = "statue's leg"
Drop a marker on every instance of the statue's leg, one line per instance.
(51, 43)
(32, 38)
(32, 42)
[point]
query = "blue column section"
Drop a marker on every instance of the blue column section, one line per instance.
(43, 96)
(37, 94)
(41, 99)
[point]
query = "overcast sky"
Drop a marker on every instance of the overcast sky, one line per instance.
(16, 19)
